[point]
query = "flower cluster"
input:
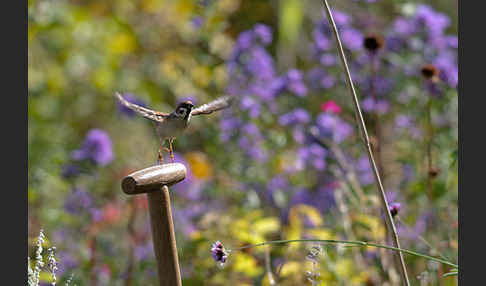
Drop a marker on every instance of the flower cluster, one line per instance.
(425, 32)
(219, 253)
(96, 147)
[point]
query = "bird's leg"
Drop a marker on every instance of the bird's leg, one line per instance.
(160, 155)
(171, 151)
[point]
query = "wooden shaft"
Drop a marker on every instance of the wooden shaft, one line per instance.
(163, 236)
(153, 178)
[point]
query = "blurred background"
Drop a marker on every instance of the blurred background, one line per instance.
(256, 173)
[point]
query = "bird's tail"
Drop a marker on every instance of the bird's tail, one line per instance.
(145, 112)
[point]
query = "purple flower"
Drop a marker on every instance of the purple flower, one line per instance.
(250, 104)
(143, 251)
(394, 208)
(404, 27)
(368, 104)
(66, 263)
(322, 198)
(190, 98)
(363, 168)
(96, 147)
(245, 40)
(78, 201)
(332, 126)
(219, 253)
(97, 214)
(295, 83)
(263, 33)
(131, 98)
(434, 22)
(321, 41)
(340, 18)
(197, 21)
(380, 106)
(313, 155)
(260, 64)
(447, 64)
(70, 170)
(403, 121)
(328, 60)
(190, 187)
(352, 39)
(297, 116)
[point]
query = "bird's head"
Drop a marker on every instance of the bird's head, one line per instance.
(183, 109)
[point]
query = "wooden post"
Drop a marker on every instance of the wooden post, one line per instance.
(154, 181)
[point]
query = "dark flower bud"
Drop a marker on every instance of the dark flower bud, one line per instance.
(434, 172)
(430, 72)
(394, 208)
(373, 43)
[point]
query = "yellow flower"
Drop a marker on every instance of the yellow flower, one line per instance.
(200, 166)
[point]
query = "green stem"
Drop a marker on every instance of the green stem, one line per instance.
(351, 242)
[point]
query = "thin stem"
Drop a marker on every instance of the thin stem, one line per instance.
(429, 147)
(379, 138)
(355, 243)
(362, 125)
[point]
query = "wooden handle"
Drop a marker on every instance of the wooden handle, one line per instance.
(153, 178)
(163, 236)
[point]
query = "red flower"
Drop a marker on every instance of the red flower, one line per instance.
(331, 106)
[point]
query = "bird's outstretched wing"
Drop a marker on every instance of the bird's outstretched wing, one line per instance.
(215, 105)
(145, 112)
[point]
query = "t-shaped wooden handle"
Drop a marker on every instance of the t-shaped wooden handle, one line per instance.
(154, 181)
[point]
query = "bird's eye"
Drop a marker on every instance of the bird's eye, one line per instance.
(181, 111)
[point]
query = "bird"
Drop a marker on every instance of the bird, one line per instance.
(171, 125)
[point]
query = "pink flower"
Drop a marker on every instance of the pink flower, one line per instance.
(331, 106)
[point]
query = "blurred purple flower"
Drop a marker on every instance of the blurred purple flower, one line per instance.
(447, 64)
(70, 170)
(251, 105)
(197, 21)
(313, 155)
(66, 263)
(228, 126)
(433, 21)
(370, 105)
(340, 18)
(403, 121)
(297, 116)
(295, 83)
(352, 39)
(404, 27)
(328, 60)
(260, 64)
(330, 125)
(97, 214)
(190, 98)
(143, 251)
(190, 187)
(263, 33)
(322, 198)
(363, 168)
(78, 201)
(96, 147)
(245, 40)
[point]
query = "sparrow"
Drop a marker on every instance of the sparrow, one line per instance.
(171, 125)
